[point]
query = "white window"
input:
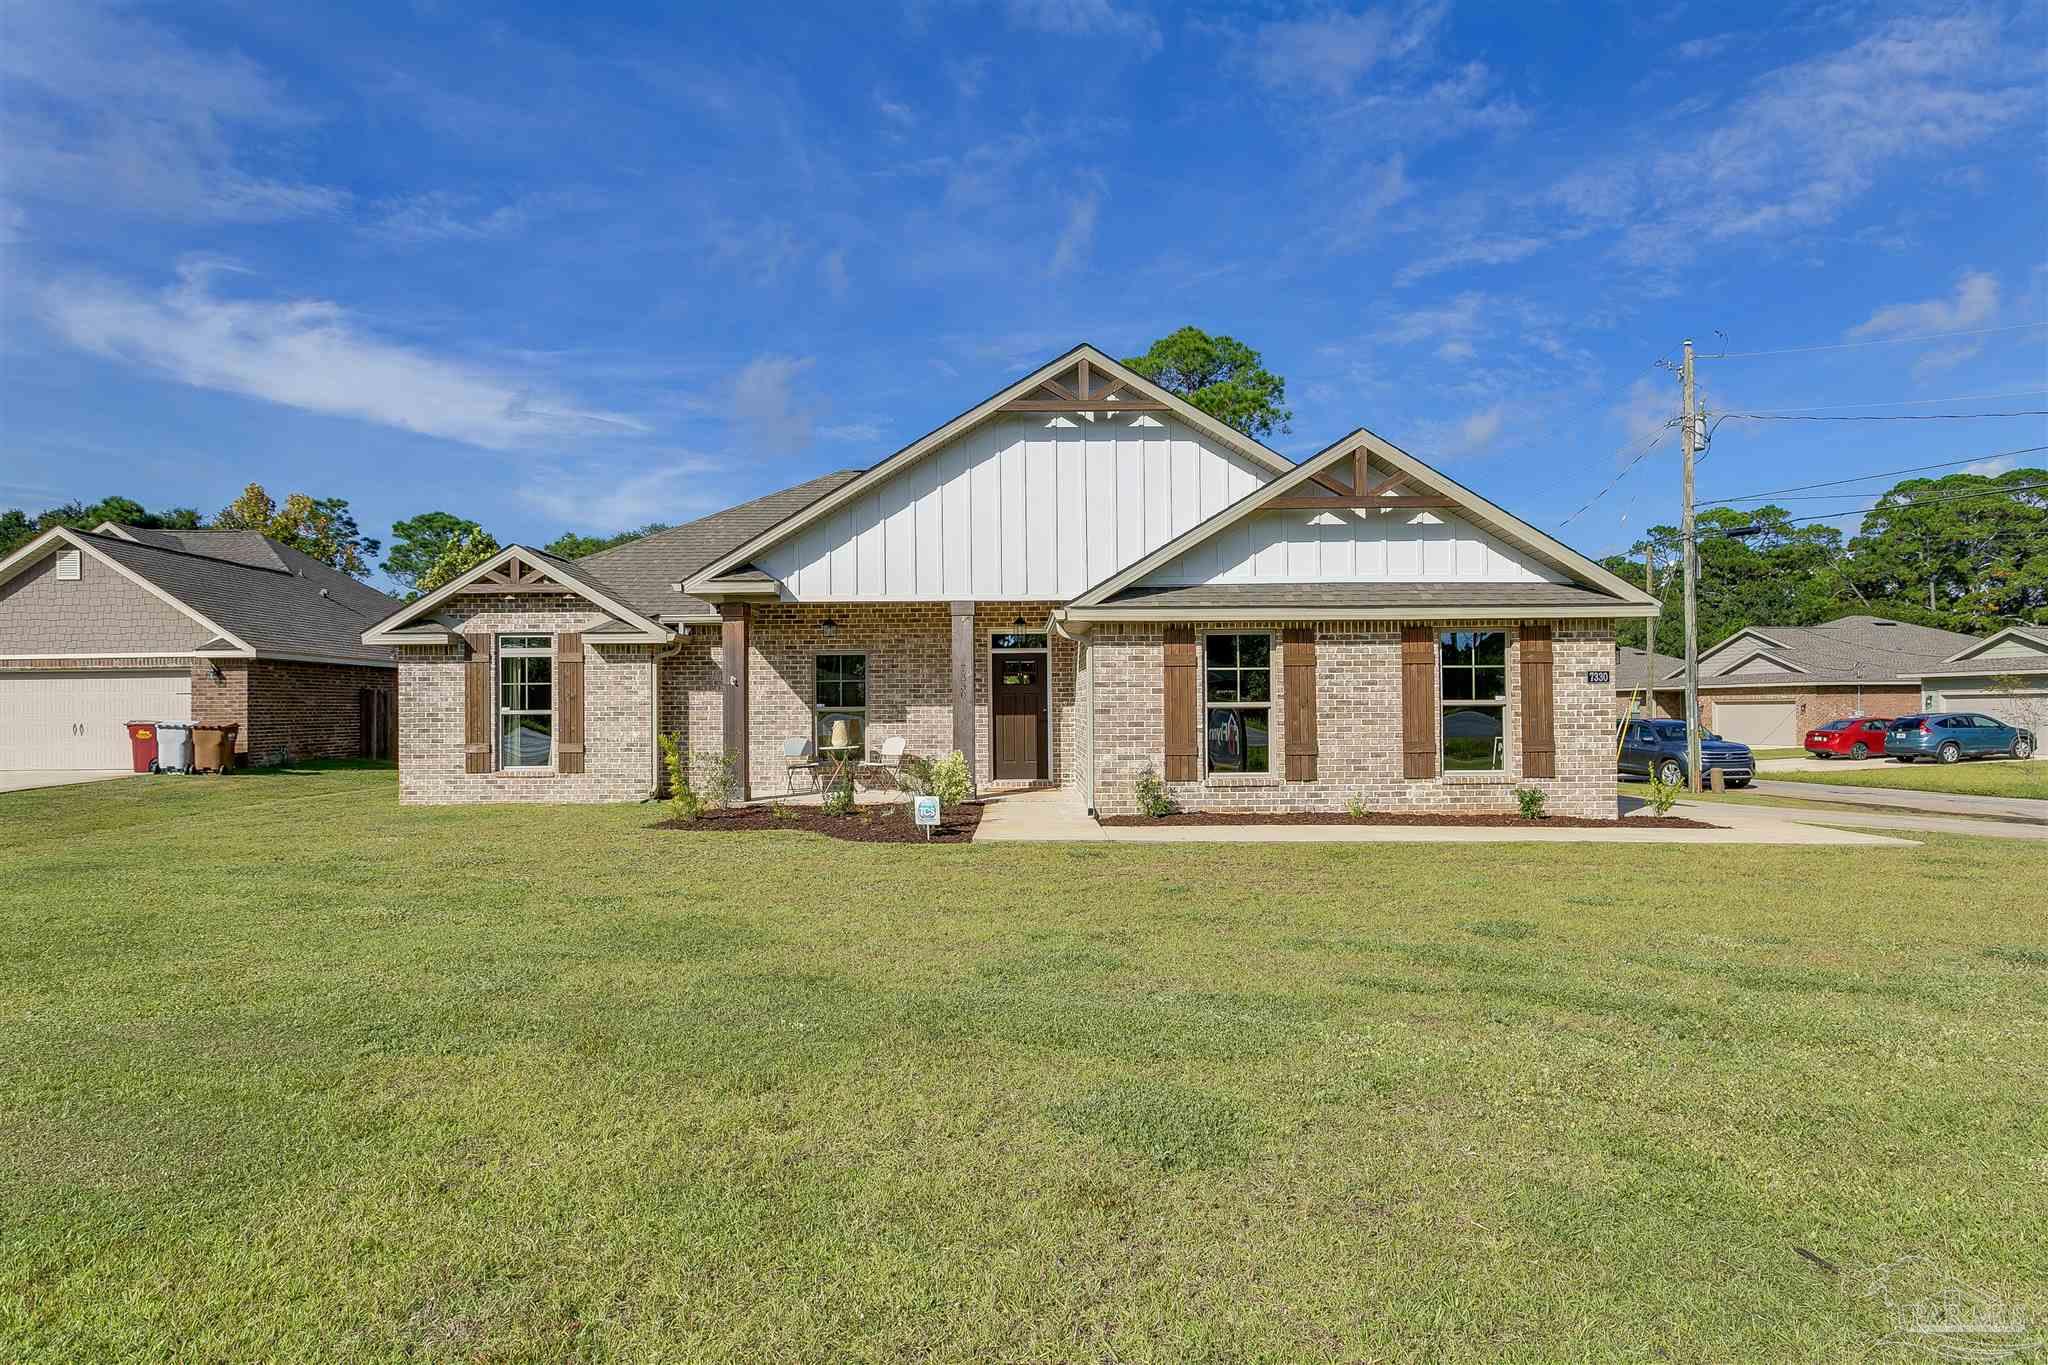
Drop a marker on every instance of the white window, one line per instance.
(1238, 692)
(840, 705)
(526, 701)
(67, 566)
(1475, 699)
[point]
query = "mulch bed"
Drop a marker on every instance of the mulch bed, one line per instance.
(888, 824)
(1400, 818)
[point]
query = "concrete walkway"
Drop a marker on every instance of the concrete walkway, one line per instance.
(1894, 798)
(1058, 815)
(29, 779)
(1902, 822)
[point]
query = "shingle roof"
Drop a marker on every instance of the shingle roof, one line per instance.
(642, 573)
(1630, 668)
(1478, 598)
(291, 604)
(1848, 650)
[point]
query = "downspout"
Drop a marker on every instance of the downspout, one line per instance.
(655, 659)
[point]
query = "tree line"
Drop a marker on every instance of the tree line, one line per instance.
(1965, 552)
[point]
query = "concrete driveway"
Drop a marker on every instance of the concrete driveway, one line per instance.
(28, 779)
(1766, 766)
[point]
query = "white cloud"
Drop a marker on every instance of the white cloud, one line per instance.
(1944, 358)
(895, 111)
(1992, 468)
(859, 433)
(1076, 236)
(1649, 407)
(310, 354)
(765, 409)
(1475, 251)
(1123, 24)
(604, 500)
(1975, 301)
(115, 112)
(1478, 431)
(1331, 52)
(439, 216)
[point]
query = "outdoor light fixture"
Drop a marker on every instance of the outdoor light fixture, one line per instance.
(1018, 622)
(829, 626)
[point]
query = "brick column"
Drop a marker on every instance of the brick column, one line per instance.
(733, 677)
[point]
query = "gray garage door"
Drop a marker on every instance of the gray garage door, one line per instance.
(2029, 710)
(1768, 724)
(78, 720)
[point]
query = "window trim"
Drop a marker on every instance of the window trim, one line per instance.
(506, 651)
(818, 708)
(1202, 682)
(1504, 704)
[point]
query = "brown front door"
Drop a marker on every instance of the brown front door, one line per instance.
(1020, 721)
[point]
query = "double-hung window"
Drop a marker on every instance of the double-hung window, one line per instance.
(841, 705)
(1239, 696)
(526, 701)
(1475, 700)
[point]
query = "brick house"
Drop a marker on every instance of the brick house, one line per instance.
(1769, 685)
(1079, 580)
(123, 623)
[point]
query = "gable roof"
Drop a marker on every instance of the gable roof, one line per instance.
(2035, 636)
(256, 597)
(646, 573)
(1605, 594)
(405, 626)
(1851, 649)
(738, 557)
(1635, 670)
(1974, 661)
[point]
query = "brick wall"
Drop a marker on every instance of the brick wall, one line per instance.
(224, 700)
(1358, 723)
(304, 710)
(619, 699)
(100, 612)
(1819, 705)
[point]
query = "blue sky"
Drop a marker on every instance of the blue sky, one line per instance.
(581, 268)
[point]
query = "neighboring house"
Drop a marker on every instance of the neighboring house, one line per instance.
(1769, 685)
(1076, 581)
(2003, 675)
(1641, 687)
(100, 628)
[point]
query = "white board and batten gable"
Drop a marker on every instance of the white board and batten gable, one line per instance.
(1022, 506)
(1352, 545)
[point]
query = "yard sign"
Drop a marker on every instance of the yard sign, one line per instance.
(925, 813)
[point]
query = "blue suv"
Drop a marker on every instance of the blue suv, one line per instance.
(1656, 748)
(1952, 736)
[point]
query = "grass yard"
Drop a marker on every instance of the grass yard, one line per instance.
(1978, 777)
(289, 1073)
(1778, 753)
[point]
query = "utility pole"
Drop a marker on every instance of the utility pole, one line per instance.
(1650, 633)
(1686, 436)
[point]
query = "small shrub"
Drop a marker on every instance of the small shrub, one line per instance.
(1531, 800)
(839, 798)
(915, 776)
(1152, 797)
(1664, 795)
(721, 785)
(1355, 808)
(951, 782)
(682, 801)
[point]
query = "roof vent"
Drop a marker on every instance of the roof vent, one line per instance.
(1880, 621)
(323, 592)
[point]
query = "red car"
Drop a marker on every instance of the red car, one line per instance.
(1857, 737)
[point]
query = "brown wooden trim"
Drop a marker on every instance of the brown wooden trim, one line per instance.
(1312, 503)
(1081, 378)
(1059, 389)
(479, 690)
(735, 618)
(1418, 702)
(569, 702)
(1183, 719)
(1360, 484)
(1298, 658)
(1082, 405)
(1538, 702)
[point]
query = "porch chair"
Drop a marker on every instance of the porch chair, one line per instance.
(799, 756)
(891, 761)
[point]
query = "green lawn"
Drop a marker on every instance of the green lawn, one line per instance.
(1778, 753)
(289, 1073)
(1979, 777)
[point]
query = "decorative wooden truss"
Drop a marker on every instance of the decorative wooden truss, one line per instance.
(1363, 491)
(519, 575)
(1084, 389)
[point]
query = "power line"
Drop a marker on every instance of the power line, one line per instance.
(1875, 341)
(1873, 417)
(1927, 502)
(1954, 398)
(1656, 439)
(1882, 474)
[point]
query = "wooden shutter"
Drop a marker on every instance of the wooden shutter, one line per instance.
(1418, 701)
(477, 687)
(569, 702)
(1298, 656)
(1539, 726)
(1183, 707)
